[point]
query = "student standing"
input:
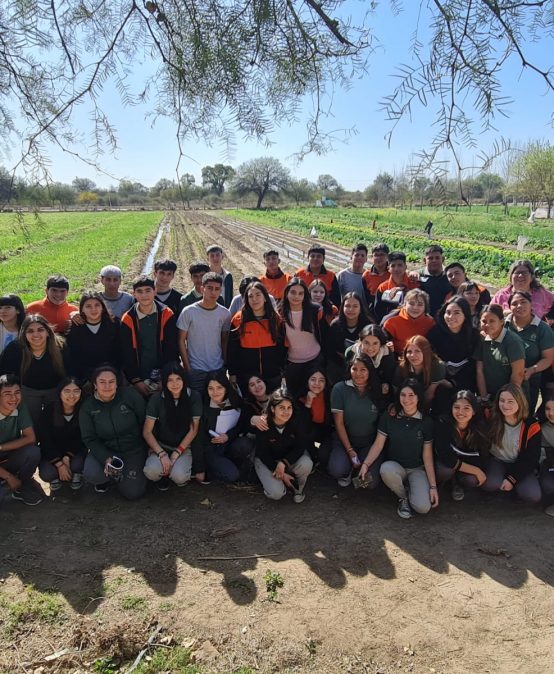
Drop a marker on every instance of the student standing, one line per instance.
(12, 313)
(432, 278)
(390, 294)
(316, 270)
(456, 275)
(378, 273)
(343, 333)
(116, 301)
(196, 271)
(319, 295)
(522, 278)
(410, 320)
(54, 307)
(203, 333)
(275, 279)
(215, 261)
(350, 280)
(409, 471)
(164, 273)
(148, 338)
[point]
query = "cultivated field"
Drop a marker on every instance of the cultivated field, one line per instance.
(91, 581)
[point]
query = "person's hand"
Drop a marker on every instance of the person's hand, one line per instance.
(288, 480)
(174, 456)
(434, 496)
(528, 372)
(221, 439)
(310, 398)
(233, 379)
(354, 460)
(166, 463)
(106, 469)
(364, 470)
(142, 389)
(413, 275)
(385, 388)
(480, 476)
(64, 472)
(259, 422)
(279, 471)
(75, 318)
(13, 482)
(506, 485)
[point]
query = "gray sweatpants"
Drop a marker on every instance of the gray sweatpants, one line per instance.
(396, 477)
(275, 489)
(180, 471)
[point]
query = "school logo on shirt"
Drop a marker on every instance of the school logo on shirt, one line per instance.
(420, 435)
(124, 409)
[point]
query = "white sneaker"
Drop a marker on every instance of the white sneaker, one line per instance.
(299, 496)
(345, 481)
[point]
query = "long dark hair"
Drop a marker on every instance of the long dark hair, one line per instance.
(363, 318)
(467, 331)
(275, 398)
(230, 393)
(326, 305)
(476, 437)
(178, 416)
(372, 388)
(93, 295)
(307, 306)
(58, 419)
(15, 302)
(54, 344)
(269, 312)
(416, 388)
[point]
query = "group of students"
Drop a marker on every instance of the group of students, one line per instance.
(415, 379)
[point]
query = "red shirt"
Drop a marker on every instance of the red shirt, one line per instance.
(56, 314)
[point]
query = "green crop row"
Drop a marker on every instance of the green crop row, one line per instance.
(77, 245)
(487, 262)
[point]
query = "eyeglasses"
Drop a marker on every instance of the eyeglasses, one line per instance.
(522, 273)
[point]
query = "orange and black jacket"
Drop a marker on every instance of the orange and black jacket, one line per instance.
(327, 277)
(529, 451)
(253, 349)
(166, 342)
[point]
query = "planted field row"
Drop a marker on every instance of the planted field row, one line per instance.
(487, 262)
(77, 245)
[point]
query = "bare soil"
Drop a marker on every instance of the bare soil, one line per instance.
(467, 588)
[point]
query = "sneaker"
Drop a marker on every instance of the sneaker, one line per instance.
(76, 481)
(404, 510)
(345, 481)
(163, 484)
(55, 485)
(101, 488)
(458, 492)
(299, 496)
(549, 510)
(28, 496)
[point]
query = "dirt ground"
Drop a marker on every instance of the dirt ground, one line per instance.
(467, 588)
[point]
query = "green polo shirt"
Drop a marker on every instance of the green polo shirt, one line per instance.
(497, 356)
(406, 437)
(537, 337)
(12, 425)
(359, 413)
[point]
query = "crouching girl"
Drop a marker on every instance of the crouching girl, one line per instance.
(282, 460)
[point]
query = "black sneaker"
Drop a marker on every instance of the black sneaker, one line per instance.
(163, 484)
(27, 496)
(101, 488)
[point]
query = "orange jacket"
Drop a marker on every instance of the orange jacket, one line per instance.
(275, 285)
(328, 279)
(401, 327)
(56, 314)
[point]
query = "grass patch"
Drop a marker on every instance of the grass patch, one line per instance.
(177, 661)
(133, 603)
(44, 607)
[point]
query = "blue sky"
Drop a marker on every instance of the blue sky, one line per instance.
(149, 152)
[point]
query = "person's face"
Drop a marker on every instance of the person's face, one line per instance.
(521, 308)
(175, 385)
(491, 325)
(106, 386)
(144, 295)
(7, 314)
(57, 295)
(216, 391)
(37, 336)
(316, 383)
(434, 262)
(371, 346)
(359, 258)
(472, 296)
(296, 297)
(549, 411)
(111, 284)
(317, 293)
(256, 299)
(92, 310)
(351, 309)
(282, 412)
(212, 291)
(455, 276)
(379, 260)
(197, 280)
(359, 374)
(521, 278)
(70, 395)
(408, 400)
(164, 277)
(507, 404)
(315, 260)
(215, 258)
(256, 387)
(454, 317)
(414, 355)
(397, 269)
(272, 263)
(462, 412)
(10, 398)
(415, 307)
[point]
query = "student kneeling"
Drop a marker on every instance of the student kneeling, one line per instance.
(282, 460)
